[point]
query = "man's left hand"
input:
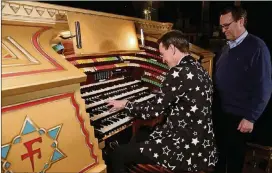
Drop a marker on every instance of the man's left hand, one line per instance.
(245, 126)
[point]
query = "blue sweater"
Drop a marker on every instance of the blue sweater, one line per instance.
(243, 78)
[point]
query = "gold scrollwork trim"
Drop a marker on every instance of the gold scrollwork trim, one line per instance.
(25, 52)
(42, 12)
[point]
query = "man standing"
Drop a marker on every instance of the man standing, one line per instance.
(186, 140)
(242, 84)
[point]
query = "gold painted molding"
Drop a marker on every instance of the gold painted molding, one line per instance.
(36, 12)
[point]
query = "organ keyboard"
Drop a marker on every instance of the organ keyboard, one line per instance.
(120, 88)
(131, 76)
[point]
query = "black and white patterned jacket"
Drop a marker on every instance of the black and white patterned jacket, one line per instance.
(186, 141)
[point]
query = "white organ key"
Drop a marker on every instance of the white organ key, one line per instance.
(116, 97)
(88, 69)
(107, 113)
(109, 88)
(145, 98)
(104, 114)
(115, 124)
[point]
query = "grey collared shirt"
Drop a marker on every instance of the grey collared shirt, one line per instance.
(239, 40)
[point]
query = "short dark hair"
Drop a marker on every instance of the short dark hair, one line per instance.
(176, 38)
(237, 13)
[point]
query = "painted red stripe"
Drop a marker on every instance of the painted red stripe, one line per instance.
(150, 55)
(151, 68)
(35, 102)
(88, 167)
(27, 72)
(8, 56)
(36, 44)
(85, 132)
(104, 67)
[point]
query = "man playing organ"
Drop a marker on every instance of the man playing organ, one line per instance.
(186, 140)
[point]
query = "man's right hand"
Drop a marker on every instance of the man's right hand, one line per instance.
(117, 104)
(245, 126)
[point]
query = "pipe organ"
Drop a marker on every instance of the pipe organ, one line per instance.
(132, 76)
(60, 66)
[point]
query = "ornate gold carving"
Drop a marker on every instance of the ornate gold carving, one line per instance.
(51, 12)
(14, 7)
(28, 9)
(25, 52)
(47, 13)
(40, 11)
(153, 29)
(62, 14)
(3, 5)
(7, 53)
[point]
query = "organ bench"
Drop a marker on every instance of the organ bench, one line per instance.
(258, 159)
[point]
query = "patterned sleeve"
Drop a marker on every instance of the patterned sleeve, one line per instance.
(177, 82)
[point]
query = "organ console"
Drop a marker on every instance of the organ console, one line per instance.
(60, 66)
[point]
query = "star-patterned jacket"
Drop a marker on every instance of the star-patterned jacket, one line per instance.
(186, 141)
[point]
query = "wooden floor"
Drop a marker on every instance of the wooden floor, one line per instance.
(152, 169)
(147, 169)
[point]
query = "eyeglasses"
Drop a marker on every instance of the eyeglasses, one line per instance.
(226, 26)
